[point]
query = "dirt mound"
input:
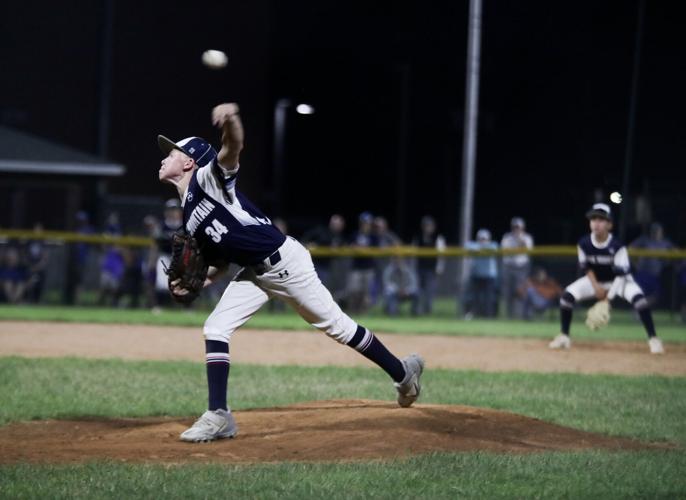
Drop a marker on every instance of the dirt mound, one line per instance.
(337, 430)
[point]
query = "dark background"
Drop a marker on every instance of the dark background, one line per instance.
(554, 102)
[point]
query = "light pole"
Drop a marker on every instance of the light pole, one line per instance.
(471, 115)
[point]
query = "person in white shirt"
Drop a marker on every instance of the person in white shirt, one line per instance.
(516, 267)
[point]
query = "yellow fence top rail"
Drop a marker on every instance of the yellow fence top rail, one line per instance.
(317, 251)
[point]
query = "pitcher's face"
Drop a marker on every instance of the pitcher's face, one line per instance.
(174, 165)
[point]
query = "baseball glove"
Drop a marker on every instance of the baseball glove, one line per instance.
(598, 315)
(187, 269)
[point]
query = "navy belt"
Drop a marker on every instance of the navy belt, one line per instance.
(267, 263)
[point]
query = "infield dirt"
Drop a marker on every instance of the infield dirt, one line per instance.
(311, 348)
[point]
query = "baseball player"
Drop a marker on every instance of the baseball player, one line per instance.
(605, 261)
(231, 229)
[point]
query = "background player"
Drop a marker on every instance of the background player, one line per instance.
(606, 263)
(230, 228)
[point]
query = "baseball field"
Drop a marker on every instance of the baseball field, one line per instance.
(92, 402)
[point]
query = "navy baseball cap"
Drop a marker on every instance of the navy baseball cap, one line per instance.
(197, 148)
(600, 210)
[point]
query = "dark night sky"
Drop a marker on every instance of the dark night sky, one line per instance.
(555, 89)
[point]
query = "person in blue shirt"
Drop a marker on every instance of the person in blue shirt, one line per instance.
(482, 298)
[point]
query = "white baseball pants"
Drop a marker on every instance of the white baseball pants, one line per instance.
(622, 286)
(294, 280)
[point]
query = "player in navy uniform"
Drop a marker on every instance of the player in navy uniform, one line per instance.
(605, 262)
(231, 229)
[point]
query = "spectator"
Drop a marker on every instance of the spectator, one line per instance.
(112, 265)
(428, 269)
(383, 235)
(481, 297)
(112, 225)
(515, 267)
(400, 285)
(77, 258)
(362, 274)
(152, 229)
(37, 261)
(539, 293)
(681, 284)
(383, 238)
(332, 272)
(649, 269)
(132, 278)
(173, 218)
(14, 276)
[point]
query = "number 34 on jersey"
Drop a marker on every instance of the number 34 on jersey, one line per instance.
(215, 230)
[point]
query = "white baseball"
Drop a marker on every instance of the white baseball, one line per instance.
(215, 59)
(616, 198)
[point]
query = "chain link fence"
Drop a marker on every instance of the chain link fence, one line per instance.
(50, 267)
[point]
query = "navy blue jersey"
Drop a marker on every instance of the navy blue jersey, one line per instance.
(228, 226)
(607, 260)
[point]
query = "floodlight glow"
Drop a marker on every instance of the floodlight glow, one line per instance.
(616, 197)
(304, 109)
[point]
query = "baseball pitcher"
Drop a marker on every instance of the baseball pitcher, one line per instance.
(221, 226)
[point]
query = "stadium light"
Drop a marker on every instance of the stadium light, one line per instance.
(304, 109)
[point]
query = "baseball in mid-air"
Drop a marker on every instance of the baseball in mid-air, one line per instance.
(214, 59)
(616, 198)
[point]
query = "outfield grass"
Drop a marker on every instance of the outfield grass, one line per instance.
(623, 326)
(468, 475)
(650, 408)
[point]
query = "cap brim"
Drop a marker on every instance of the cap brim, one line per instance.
(167, 145)
(597, 213)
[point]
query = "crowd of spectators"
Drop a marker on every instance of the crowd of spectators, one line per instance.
(487, 282)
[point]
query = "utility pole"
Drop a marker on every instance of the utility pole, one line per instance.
(471, 115)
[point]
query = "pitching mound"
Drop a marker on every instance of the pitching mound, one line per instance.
(318, 431)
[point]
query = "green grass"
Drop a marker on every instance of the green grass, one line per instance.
(623, 326)
(469, 475)
(650, 408)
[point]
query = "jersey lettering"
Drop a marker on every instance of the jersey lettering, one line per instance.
(198, 215)
(232, 226)
(216, 230)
